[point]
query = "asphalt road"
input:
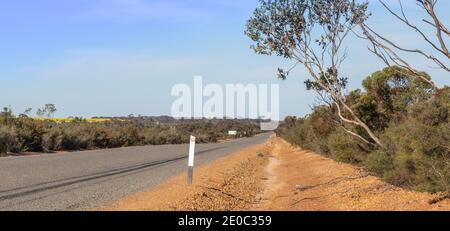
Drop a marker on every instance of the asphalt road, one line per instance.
(88, 179)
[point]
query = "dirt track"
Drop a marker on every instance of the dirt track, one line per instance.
(277, 176)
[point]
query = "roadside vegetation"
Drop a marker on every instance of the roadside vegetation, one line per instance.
(411, 119)
(21, 133)
(397, 126)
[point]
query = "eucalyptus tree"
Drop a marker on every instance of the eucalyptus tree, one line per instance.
(48, 110)
(40, 112)
(312, 33)
(28, 111)
(430, 29)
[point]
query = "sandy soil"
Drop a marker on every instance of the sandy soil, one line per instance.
(308, 181)
(277, 176)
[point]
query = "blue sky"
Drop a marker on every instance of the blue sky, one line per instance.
(120, 57)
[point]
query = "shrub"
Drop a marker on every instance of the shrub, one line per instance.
(104, 138)
(29, 135)
(380, 162)
(79, 134)
(312, 132)
(420, 156)
(367, 109)
(8, 140)
(345, 148)
(433, 112)
(411, 119)
(74, 139)
(51, 141)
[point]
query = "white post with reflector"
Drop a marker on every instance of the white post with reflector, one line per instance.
(191, 160)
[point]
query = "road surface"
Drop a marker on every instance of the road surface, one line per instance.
(88, 179)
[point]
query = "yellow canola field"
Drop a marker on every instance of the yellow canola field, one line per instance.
(68, 120)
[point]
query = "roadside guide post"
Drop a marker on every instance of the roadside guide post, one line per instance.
(191, 160)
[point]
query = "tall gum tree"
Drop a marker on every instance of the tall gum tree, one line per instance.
(312, 33)
(437, 41)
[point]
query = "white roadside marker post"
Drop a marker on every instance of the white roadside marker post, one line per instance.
(191, 160)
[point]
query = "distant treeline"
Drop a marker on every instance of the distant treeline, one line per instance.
(410, 117)
(23, 134)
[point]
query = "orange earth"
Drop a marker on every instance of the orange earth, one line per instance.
(278, 176)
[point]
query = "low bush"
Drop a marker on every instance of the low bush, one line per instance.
(345, 148)
(23, 134)
(411, 119)
(8, 140)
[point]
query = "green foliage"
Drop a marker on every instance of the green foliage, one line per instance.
(29, 135)
(395, 88)
(48, 110)
(345, 148)
(6, 116)
(434, 111)
(366, 108)
(8, 140)
(388, 95)
(23, 134)
(380, 162)
(311, 133)
(75, 138)
(51, 140)
(411, 119)
(420, 154)
(293, 29)
(279, 26)
(301, 134)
